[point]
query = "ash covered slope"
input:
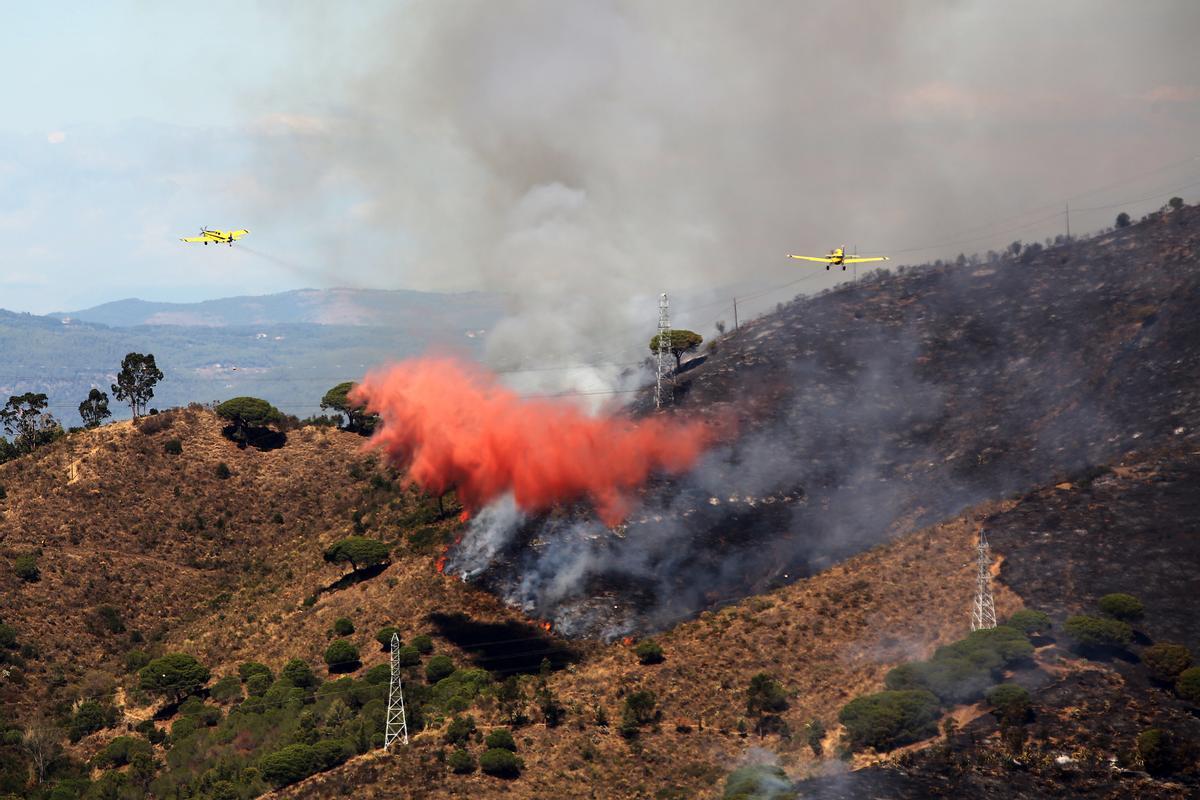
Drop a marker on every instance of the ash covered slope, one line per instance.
(886, 405)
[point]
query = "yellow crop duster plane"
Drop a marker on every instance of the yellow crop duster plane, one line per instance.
(216, 237)
(838, 257)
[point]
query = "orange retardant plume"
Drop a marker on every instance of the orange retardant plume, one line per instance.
(450, 425)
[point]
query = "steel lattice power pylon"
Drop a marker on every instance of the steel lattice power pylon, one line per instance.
(396, 726)
(983, 615)
(664, 385)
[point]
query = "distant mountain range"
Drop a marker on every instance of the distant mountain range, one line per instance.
(287, 348)
(318, 306)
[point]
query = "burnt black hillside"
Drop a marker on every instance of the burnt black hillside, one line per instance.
(881, 406)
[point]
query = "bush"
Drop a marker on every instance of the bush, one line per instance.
(458, 690)
(1156, 748)
(90, 717)
(1122, 220)
(120, 751)
(8, 636)
(1098, 633)
(765, 695)
(1010, 702)
(342, 626)
(384, 637)
(342, 656)
(1165, 661)
(423, 643)
(501, 763)
(459, 730)
(501, 737)
(135, 660)
(227, 690)
(174, 675)
(288, 765)
(223, 471)
(258, 684)
(1188, 685)
(408, 656)
(461, 762)
(251, 668)
(438, 667)
(758, 782)
(173, 447)
(183, 728)
(1124, 607)
(297, 673)
(331, 752)
(1029, 622)
(889, 719)
(107, 618)
(26, 568)
(380, 673)
(649, 652)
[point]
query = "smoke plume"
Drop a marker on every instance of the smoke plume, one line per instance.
(450, 425)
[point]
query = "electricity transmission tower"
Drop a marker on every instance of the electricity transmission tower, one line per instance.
(983, 615)
(396, 726)
(663, 387)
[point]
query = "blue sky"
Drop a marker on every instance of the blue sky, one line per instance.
(128, 124)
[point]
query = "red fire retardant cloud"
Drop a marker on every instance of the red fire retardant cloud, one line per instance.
(453, 426)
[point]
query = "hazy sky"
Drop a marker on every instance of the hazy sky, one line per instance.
(579, 154)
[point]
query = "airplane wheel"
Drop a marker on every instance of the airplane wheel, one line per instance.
(827, 268)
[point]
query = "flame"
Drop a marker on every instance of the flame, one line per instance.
(546, 625)
(441, 564)
(627, 641)
(452, 425)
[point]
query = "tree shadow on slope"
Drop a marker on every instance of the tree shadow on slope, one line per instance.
(353, 578)
(506, 648)
(258, 438)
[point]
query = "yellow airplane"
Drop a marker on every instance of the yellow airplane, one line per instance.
(216, 237)
(838, 257)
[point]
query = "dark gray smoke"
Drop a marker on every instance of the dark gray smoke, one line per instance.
(582, 157)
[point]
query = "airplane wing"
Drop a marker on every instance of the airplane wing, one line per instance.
(825, 260)
(238, 234)
(198, 239)
(864, 260)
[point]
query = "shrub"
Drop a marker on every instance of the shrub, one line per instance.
(173, 447)
(639, 707)
(438, 667)
(26, 568)
(765, 695)
(331, 752)
(342, 626)
(288, 765)
(183, 728)
(90, 717)
(889, 719)
(815, 736)
(649, 652)
(384, 637)
(297, 673)
(120, 751)
(1029, 622)
(501, 763)
(459, 689)
(380, 673)
(461, 762)
(1156, 748)
(226, 690)
(1188, 685)
(1124, 607)
(501, 737)
(223, 471)
(135, 660)
(1010, 702)
(174, 675)
(258, 684)
(1123, 220)
(758, 782)
(408, 656)
(1095, 632)
(251, 668)
(342, 656)
(1165, 661)
(423, 643)
(107, 618)
(459, 730)
(8, 636)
